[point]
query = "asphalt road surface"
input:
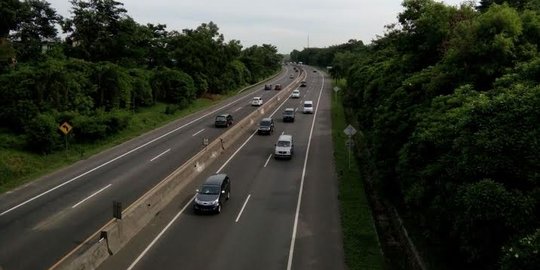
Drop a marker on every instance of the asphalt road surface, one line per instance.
(283, 214)
(45, 219)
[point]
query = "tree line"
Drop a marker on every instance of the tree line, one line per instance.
(448, 102)
(105, 66)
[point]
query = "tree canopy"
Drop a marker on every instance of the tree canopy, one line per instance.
(107, 65)
(448, 101)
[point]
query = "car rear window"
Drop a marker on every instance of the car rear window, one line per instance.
(220, 118)
(308, 105)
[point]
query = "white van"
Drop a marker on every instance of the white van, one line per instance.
(284, 147)
(308, 106)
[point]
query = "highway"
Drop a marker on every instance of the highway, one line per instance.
(283, 214)
(45, 219)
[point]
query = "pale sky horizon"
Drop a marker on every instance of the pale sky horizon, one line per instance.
(284, 24)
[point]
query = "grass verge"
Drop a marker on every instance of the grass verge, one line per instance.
(360, 240)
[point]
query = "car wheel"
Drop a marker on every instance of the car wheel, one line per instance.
(219, 208)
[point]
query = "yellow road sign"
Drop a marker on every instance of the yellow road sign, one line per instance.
(65, 128)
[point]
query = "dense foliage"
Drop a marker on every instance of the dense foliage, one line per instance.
(448, 101)
(107, 66)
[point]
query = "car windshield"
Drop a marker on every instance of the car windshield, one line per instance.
(308, 105)
(283, 143)
(288, 112)
(265, 123)
(210, 190)
(220, 118)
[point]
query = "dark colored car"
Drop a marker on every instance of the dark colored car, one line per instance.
(224, 120)
(213, 193)
(267, 87)
(277, 87)
(266, 126)
(288, 115)
(303, 84)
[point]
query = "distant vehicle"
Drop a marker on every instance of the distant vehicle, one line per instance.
(291, 76)
(308, 106)
(303, 84)
(284, 148)
(266, 126)
(267, 87)
(314, 70)
(288, 115)
(212, 194)
(295, 93)
(256, 101)
(277, 87)
(224, 120)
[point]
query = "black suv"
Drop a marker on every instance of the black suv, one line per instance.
(266, 126)
(267, 87)
(213, 193)
(224, 120)
(303, 84)
(288, 115)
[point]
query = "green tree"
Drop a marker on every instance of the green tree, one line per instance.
(489, 216)
(173, 86)
(522, 254)
(36, 30)
(94, 30)
(10, 10)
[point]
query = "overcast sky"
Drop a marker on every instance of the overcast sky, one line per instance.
(285, 24)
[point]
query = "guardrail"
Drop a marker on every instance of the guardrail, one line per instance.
(117, 232)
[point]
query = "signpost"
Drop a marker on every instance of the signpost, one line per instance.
(349, 131)
(66, 129)
(336, 89)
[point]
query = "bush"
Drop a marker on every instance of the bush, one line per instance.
(42, 134)
(524, 254)
(487, 216)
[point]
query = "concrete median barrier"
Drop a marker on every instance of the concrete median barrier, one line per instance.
(117, 232)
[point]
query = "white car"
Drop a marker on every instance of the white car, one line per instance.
(284, 147)
(257, 101)
(308, 106)
(295, 94)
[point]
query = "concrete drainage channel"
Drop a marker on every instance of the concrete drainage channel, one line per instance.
(117, 232)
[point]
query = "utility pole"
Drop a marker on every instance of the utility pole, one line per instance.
(308, 40)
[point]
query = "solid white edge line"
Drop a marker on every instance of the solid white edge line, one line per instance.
(299, 202)
(94, 194)
(160, 234)
(156, 157)
(195, 134)
(121, 156)
(267, 160)
(242, 210)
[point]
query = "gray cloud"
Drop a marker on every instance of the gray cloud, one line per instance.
(285, 24)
